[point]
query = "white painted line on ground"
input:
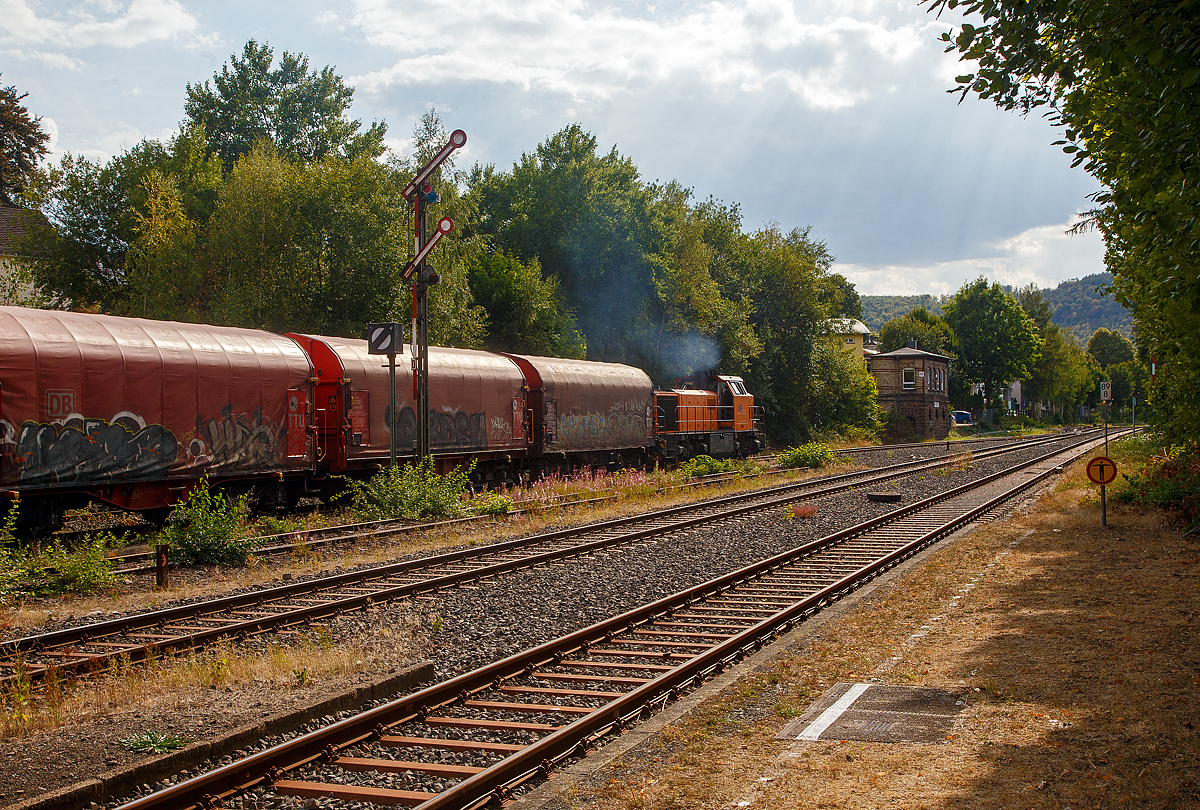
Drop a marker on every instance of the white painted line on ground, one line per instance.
(830, 715)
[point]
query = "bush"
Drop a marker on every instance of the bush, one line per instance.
(58, 569)
(410, 492)
(207, 529)
(701, 466)
(12, 566)
(1170, 481)
(82, 569)
(813, 454)
(1017, 421)
(492, 503)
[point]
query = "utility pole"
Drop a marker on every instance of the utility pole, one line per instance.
(421, 195)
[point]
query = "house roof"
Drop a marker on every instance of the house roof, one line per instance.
(905, 351)
(847, 326)
(13, 225)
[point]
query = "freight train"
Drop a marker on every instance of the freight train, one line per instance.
(134, 413)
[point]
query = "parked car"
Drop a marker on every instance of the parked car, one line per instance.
(961, 417)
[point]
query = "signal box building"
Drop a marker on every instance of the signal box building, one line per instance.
(915, 384)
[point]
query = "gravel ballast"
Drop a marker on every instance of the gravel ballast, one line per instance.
(467, 628)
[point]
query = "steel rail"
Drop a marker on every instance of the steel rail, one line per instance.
(332, 535)
(495, 783)
(67, 643)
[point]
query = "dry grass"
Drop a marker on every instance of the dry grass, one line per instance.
(1073, 648)
(292, 662)
(226, 665)
(138, 593)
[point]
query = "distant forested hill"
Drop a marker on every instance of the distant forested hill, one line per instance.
(879, 309)
(1077, 306)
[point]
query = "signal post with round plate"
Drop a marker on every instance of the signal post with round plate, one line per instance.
(1102, 470)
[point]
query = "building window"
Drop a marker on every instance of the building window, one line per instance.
(850, 340)
(908, 379)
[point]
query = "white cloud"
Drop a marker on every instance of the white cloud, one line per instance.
(58, 61)
(1044, 256)
(51, 128)
(586, 51)
(121, 26)
(119, 138)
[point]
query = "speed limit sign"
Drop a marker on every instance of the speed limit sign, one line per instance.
(1106, 391)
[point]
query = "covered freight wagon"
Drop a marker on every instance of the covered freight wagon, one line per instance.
(133, 412)
(476, 406)
(598, 413)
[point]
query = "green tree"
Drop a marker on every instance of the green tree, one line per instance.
(1109, 347)
(802, 383)
(316, 248)
(300, 112)
(997, 340)
(90, 207)
(1129, 379)
(841, 297)
(593, 227)
(22, 145)
(1119, 79)
(525, 314)
(930, 331)
(1036, 307)
(699, 326)
(163, 276)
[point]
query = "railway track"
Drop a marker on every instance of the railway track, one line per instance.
(473, 740)
(90, 648)
(138, 562)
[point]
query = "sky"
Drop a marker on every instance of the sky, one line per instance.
(828, 114)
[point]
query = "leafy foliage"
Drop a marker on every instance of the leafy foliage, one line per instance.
(82, 569)
(1170, 481)
(1063, 374)
(12, 570)
(813, 454)
(999, 342)
(1119, 79)
(300, 113)
(22, 144)
(207, 528)
(411, 492)
(588, 220)
(1110, 347)
(703, 465)
(525, 312)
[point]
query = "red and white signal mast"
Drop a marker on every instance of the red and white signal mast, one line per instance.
(421, 194)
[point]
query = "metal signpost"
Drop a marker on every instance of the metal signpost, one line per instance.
(388, 338)
(1102, 470)
(1105, 398)
(421, 194)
